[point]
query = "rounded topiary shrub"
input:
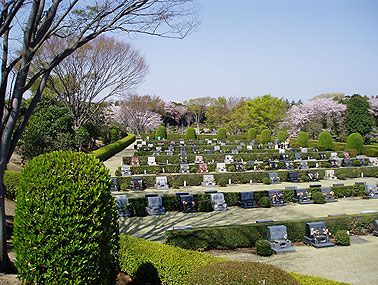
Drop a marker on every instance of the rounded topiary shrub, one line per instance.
(282, 136)
(318, 198)
(264, 202)
(190, 133)
(237, 272)
(66, 223)
(252, 134)
(263, 247)
(161, 132)
(355, 141)
(342, 238)
(302, 139)
(325, 141)
(221, 134)
(266, 180)
(266, 136)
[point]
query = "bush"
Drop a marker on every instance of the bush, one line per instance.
(109, 150)
(264, 202)
(263, 247)
(356, 163)
(325, 141)
(161, 132)
(221, 134)
(114, 136)
(302, 139)
(282, 136)
(266, 136)
(252, 134)
(237, 272)
(11, 180)
(342, 238)
(318, 198)
(159, 263)
(352, 152)
(190, 133)
(266, 180)
(66, 223)
(356, 142)
(371, 150)
(342, 176)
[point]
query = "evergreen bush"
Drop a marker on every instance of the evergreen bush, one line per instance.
(342, 238)
(264, 202)
(318, 198)
(66, 223)
(263, 247)
(266, 136)
(282, 136)
(302, 139)
(11, 180)
(190, 133)
(161, 132)
(221, 134)
(252, 134)
(325, 141)
(355, 141)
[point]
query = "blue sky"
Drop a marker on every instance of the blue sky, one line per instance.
(295, 49)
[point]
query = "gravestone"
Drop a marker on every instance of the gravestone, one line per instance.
(184, 168)
(297, 156)
(124, 209)
(301, 196)
(304, 150)
(303, 165)
(313, 175)
(292, 176)
(278, 239)
(202, 168)
(187, 204)
(247, 200)
(288, 165)
(115, 186)
(334, 163)
(208, 181)
(346, 155)
(328, 194)
(360, 183)
(183, 158)
(155, 206)
(137, 183)
(373, 161)
(284, 157)
(346, 162)
(274, 178)
(362, 161)
(208, 151)
(330, 175)
(161, 183)
(272, 165)
(249, 147)
(317, 235)
(217, 202)
(291, 187)
(322, 155)
(221, 167)
(134, 161)
(168, 152)
(375, 231)
(125, 170)
(228, 159)
(151, 160)
(334, 155)
(276, 198)
(372, 191)
(155, 152)
(239, 167)
(217, 148)
(198, 159)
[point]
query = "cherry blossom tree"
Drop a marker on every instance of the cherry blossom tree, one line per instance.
(317, 115)
(373, 106)
(174, 113)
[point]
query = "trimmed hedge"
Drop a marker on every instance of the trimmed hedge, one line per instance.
(356, 142)
(221, 134)
(263, 247)
(266, 136)
(342, 238)
(282, 136)
(190, 134)
(312, 280)
(11, 180)
(233, 236)
(158, 263)
(252, 134)
(109, 150)
(66, 222)
(161, 132)
(325, 141)
(302, 139)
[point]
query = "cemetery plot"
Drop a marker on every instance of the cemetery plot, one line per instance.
(208, 181)
(124, 209)
(372, 191)
(247, 200)
(276, 198)
(278, 239)
(187, 204)
(328, 194)
(301, 196)
(217, 202)
(155, 206)
(161, 183)
(317, 235)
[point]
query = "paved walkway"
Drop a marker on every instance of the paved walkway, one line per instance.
(115, 161)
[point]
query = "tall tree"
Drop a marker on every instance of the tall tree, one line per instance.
(358, 118)
(198, 108)
(26, 26)
(100, 69)
(219, 112)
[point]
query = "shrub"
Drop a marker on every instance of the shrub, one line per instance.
(302, 139)
(266, 136)
(161, 132)
(325, 141)
(190, 133)
(114, 136)
(282, 136)
(237, 272)
(371, 150)
(342, 238)
(266, 180)
(159, 263)
(356, 142)
(221, 134)
(304, 177)
(342, 176)
(264, 202)
(11, 180)
(263, 247)
(356, 162)
(66, 223)
(318, 198)
(252, 134)
(352, 152)
(109, 150)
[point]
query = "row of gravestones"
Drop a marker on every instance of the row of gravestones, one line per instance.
(187, 204)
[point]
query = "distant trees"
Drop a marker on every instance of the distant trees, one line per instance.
(198, 108)
(358, 118)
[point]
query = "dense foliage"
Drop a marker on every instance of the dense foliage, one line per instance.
(318, 198)
(302, 139)
(252, 134)
(11, 180)
(325, 141)
(190, 133)
(282, 136)
(358, 118)
(161, 132)
(221, 134)
(66, 223)
(342, 238)
(263, 247)
(266, 136)
(355, 141)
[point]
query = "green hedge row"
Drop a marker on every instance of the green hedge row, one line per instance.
(230, 237)
(172, 202)
(109, 150)
(195, 179)
(11, 179)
